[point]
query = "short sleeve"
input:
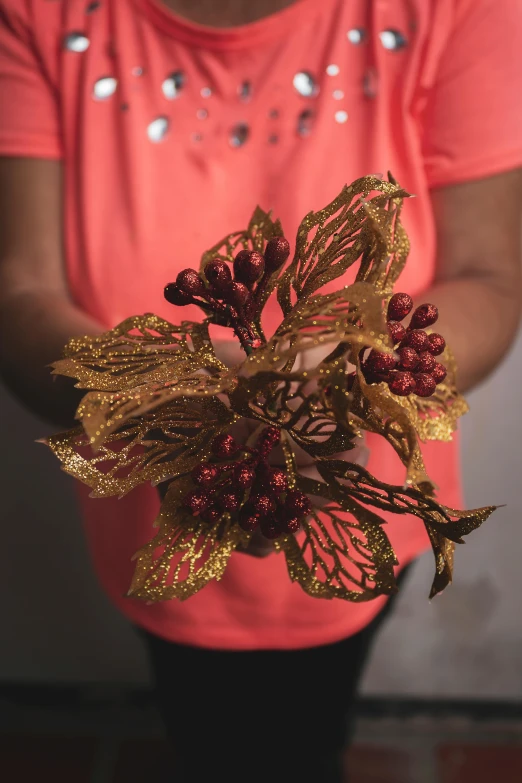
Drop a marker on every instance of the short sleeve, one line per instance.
(29, 117)
(472, 123)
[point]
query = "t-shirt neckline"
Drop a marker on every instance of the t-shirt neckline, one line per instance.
(275, 25)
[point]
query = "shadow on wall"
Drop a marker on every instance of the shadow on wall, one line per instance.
(466, 643)
(60, 625)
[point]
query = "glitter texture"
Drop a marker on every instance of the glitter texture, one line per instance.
(160, 406)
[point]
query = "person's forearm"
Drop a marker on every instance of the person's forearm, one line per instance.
(479, 322)
(34, 328)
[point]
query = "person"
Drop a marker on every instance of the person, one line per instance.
(136, 133)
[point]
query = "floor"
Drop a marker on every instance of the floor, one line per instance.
(101, 740)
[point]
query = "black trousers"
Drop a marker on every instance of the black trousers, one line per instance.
(276, 716)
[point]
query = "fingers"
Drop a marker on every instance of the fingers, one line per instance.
(229, 352)
(258, 546)
(359, 455)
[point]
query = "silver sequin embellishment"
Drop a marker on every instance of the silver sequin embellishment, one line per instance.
(138, 71)
(173, 85)
(92, 7)
(158, 129)
(341, 117)
(370, 83)
(76, 42)
(332, 70)
(202, 114)
(239, 134)
(104, 88)
(338, 95)
(356, 35)
(245, 91)
(393, 40)
(305, 84)
(206, 92)
(305, 122)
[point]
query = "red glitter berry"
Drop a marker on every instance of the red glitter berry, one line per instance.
(176, 296)
(425, 384)
(211, 514)
(190, 282)
(204, 474)
(400, 305)
(249, 265)
(437, 343)
(272, 434)
(263, 504)
(425, 315)
(297, 503)
(218, 274)
(426, 362)
(292, 525)
(402, 383)
(277, 480)
(238, 294)
(380, 362)
(224, 446)
(229, 500)
(417, 339)
(249, 521)
(397, 331)
(270, 527)
(267, 440)
(408, 358)
(197, 501)
(244, 476)
(439, 372)
(276, 252)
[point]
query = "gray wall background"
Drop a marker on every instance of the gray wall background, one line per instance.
(57, 625)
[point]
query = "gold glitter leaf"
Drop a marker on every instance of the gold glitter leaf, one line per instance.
(186, 553)
(443, 551)
(365, 488)
(445, 526)
(342, 551)
(102, 413)
(151, 448)
(321, 320)
(330, 241)
(140, 350)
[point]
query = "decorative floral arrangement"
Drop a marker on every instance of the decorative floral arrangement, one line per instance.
(160, 406)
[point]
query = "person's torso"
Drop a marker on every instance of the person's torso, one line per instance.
(172, 134)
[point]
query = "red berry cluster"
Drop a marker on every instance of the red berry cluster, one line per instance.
(237, 297)
(414, 369)
(249, 486)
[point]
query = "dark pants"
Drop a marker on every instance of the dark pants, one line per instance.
(276, 716)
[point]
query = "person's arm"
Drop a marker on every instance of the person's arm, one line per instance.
(37, 315)
(478, 286)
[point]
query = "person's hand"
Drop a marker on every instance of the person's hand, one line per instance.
(230, 353)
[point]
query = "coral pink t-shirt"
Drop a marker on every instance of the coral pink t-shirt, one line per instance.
(171, 134)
